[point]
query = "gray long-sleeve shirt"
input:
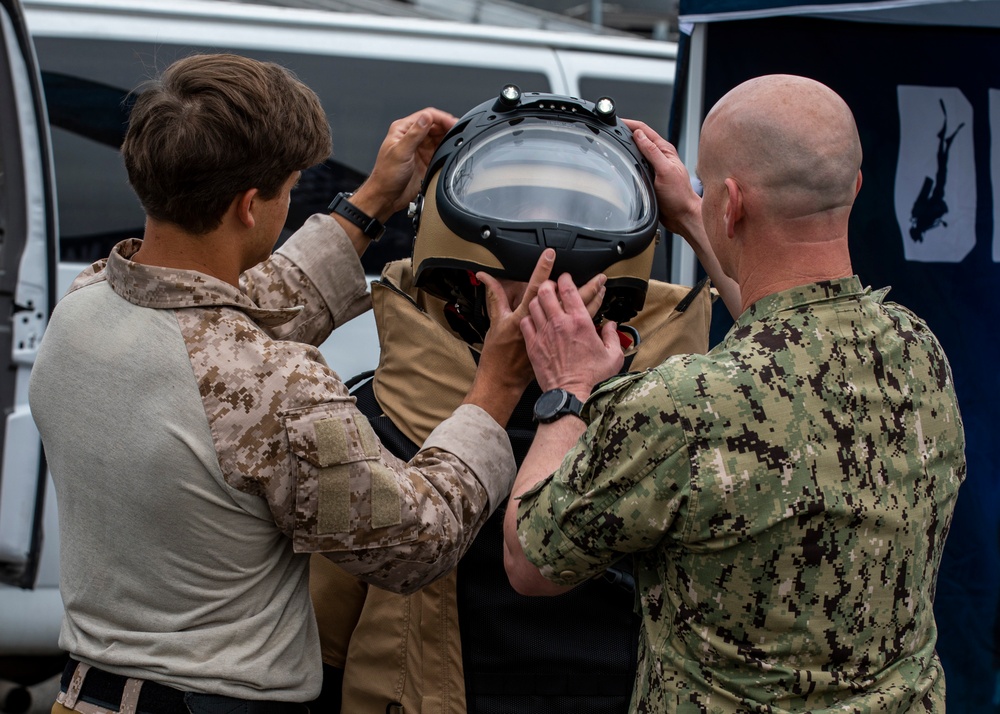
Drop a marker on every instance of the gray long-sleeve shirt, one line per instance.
(200, 446)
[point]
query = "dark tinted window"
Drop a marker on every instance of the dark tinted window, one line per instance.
(648, 101)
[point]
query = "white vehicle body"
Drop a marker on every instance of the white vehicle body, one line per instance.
(367, 71)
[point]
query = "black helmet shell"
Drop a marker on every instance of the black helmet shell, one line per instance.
(532, 171)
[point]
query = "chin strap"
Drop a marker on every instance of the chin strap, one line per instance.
(466, 311)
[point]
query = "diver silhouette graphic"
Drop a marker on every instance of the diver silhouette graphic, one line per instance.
(930, 207)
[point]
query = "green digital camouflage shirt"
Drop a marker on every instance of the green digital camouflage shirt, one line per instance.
(787, 497)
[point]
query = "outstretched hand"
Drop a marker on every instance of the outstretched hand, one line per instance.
(564, 348)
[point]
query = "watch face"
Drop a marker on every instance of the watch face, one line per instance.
(554, 404)
(549, 403)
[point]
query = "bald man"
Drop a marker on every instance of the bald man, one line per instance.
(787, 495)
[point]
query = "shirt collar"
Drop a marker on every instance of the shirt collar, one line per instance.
(174, 288)
(802, 295)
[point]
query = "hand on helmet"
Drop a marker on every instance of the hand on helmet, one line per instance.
(592, 293)
(504, 341)
(677, 200)
(564, 348)
(402, 162)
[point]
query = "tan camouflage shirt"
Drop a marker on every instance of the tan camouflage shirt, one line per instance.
(787, 496)
(286, 429)
(200, 446)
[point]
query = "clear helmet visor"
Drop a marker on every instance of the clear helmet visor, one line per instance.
(544, 171)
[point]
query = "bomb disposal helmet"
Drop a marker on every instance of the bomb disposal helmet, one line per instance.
(529, 171)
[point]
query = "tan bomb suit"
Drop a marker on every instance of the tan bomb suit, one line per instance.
(407, 649)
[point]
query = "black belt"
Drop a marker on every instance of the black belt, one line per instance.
(105, 690)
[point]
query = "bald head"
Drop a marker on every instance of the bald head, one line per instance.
(790, 142)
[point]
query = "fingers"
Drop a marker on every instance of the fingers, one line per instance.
(546, 303)
(569, 295)
(426, 119)
(541, 273)
(414, 129)
(439, 121)
(562, 296)
(636, 125)
(609, 336)
(543, 268)
(496, 299)
(418, 133)
(612, 345)
(642, 132)
(655, 151)
(528, 330)
(592, 293)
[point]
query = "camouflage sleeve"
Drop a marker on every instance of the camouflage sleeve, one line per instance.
(396, 525)
(317, 268)
(618, 490)
(287, 432)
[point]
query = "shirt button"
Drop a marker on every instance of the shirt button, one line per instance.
(567, 574)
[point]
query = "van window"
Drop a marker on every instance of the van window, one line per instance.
(87, 85)
(648, 101)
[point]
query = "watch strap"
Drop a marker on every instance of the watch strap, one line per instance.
(342, 206)
(573, 406)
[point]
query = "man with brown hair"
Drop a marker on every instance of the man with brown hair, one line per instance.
(199, 444)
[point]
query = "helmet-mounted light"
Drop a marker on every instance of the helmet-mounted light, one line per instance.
(510, 95)
(605, 109)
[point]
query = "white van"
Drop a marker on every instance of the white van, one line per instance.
(367, 70)
(28, 243)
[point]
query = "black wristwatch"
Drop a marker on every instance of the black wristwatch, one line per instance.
(371, 227)
(556, 403)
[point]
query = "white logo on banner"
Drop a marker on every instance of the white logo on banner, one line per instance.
(935, 174)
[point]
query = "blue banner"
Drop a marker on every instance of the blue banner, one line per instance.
(927, 103)
(703, 8)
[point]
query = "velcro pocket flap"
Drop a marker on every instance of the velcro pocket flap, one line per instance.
(346, 490)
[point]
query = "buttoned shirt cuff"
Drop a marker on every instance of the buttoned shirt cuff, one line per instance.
(483, 445)
(322, 250)
(555, 553)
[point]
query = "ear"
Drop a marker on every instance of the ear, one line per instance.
(733, 212)
(857, 186)
(245, 204)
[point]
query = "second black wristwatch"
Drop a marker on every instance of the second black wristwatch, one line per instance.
(371, 227)
(556, 403)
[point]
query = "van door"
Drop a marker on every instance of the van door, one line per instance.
(27, 259)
